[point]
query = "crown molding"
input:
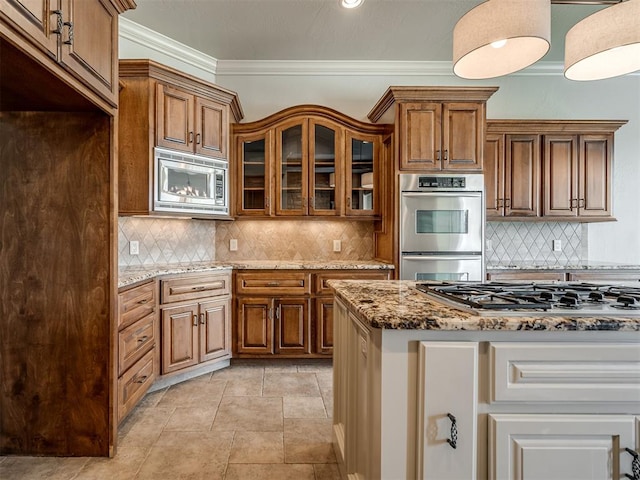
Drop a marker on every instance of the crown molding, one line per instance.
(153, 40)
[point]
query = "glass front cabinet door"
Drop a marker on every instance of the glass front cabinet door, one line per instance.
(291, 168)
(362, 174)
(325, 168)
(254, 180)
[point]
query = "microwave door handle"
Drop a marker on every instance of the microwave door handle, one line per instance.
(441, 257)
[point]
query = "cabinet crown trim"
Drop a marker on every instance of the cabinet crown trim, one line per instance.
(428, 94)
(131, 68)
(553, 126)
(306, 111)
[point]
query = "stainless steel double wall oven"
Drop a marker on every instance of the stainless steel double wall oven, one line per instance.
(442, 221)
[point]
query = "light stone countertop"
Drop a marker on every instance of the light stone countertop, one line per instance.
(582, 265)
(394, 304)
(131, 275)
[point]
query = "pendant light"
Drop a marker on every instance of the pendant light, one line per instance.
(499, 37)
(605, 44)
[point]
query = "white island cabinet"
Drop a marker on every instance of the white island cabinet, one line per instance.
(519, 399)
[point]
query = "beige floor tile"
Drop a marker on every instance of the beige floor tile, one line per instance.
(193, 393)
(308, 440)
(290, 385)
(321, 366)
(51, 468)
(328, 403)
(234, 373)
(325, 380)
(257, 447)
(144, 427)
(327, 471)
(239, 471)
(281, 368)
(123, 466)
(243, 387)
(190, 419)
(303, 407)
(187, 455)
(256, 414)
(152, 399)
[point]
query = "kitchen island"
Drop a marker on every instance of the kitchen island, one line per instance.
(516, 395)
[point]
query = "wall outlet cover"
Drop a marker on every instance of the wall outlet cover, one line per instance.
(557, 245)
(337, 245)
(233, 245)
(134, 247)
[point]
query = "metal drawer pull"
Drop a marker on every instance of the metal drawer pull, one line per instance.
(446, 154)
(198, 288)
(195, 320)
(141, 379)
(453, 441)
(635, 465)
(143, 339)
(59, 23)
(273, 284)
(69, 40)
(197, 139)
(202, 318)
(143, 301)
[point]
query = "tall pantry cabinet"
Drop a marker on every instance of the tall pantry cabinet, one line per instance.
(58, 253)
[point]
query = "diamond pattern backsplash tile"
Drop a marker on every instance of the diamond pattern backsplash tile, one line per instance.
(294, 240)
(517, 242)
(165, 241)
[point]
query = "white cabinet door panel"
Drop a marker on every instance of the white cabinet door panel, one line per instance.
(448, 384)
(560, 447)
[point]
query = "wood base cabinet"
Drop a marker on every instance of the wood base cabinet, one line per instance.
(196, 321)
(288, 313)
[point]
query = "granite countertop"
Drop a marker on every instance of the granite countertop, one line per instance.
(132, 275)
(394, 304)
(551, 265)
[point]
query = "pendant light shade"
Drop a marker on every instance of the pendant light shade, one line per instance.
(605, 44)
(499, 37)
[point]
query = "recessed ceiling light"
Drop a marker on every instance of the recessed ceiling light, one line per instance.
(350, 3)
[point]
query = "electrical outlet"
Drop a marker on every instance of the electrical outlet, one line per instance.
(337, 245)
(557, 245)
(488, 245)
(233, 245)
(134, 247)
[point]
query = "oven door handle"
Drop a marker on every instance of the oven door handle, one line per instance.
(442, 194)
(441, 257)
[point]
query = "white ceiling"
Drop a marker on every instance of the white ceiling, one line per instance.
(407, 30)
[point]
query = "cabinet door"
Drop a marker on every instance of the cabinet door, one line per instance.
(215, 331)
(292, 321)
(494, 175)
(291, 168)
(324, 325)
(254, 175)
(35, 20)
(568, 447)
(179, 337)
(90, 44)
(326, 146)
(362, 157)
(522, 175)
(255, 325)
(595, 175)
(447, 410)
(174, 119)
(421, 136)
(463, 136)
(560, 174)
(211, 128)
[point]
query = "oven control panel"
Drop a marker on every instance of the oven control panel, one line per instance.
(442, 182)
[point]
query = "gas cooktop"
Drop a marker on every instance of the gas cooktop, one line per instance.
(565, 299)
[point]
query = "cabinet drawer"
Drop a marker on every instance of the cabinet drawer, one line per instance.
(562, 372)
(273, 283)
(134, 341)
(134, 384)
(190, 288)
(136, 303)
(321, 279)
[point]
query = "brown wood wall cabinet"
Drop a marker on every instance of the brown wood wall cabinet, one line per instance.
(162, 107)
(287, 313)
(58, 315)
(138, 336)
(549, 169)
(195, 320)
(307, 161)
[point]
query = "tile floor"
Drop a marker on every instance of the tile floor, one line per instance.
(253, 420)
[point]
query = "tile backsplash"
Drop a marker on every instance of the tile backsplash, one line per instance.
(295, 240)
(166, 240)
(517, 242)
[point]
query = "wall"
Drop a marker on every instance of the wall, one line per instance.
(539, 92)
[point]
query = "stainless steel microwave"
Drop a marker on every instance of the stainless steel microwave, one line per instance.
(190, 184)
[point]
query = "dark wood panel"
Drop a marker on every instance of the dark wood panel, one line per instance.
(55, 283)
